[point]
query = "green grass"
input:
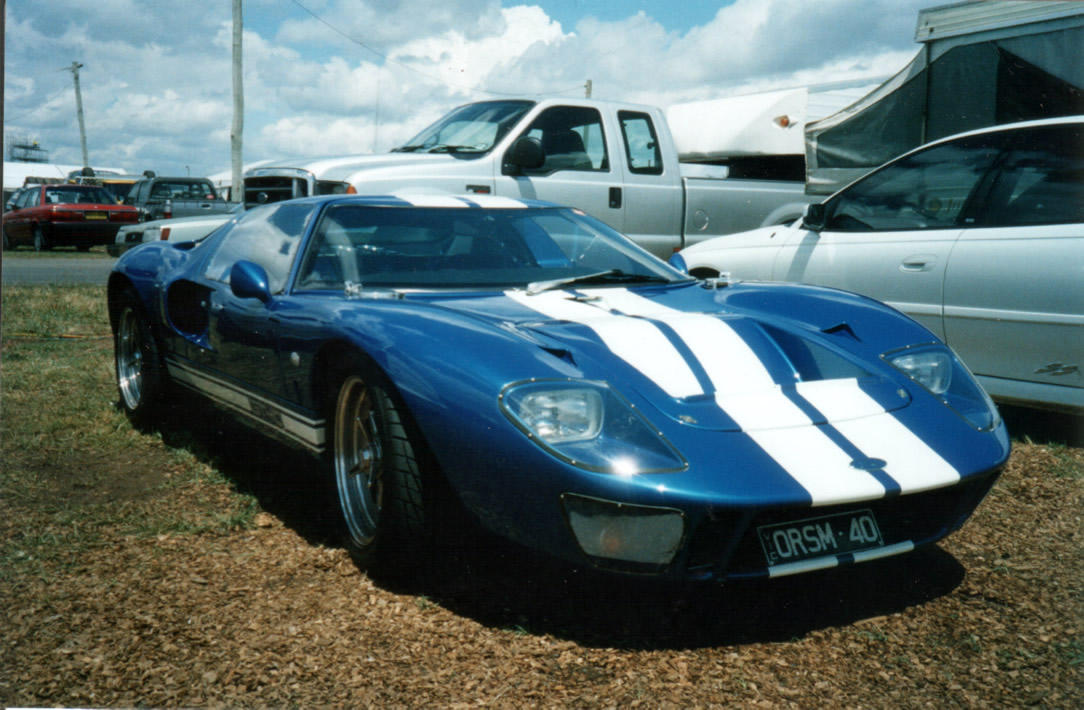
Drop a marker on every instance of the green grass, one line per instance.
(75, 472)
(54, 311)
(23, 251)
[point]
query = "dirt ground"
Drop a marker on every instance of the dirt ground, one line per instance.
(273, 613)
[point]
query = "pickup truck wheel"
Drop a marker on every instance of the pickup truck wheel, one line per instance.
(378, 475)
(40, 242)
(7, 241)
(140, 379)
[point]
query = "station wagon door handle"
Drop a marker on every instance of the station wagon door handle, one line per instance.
(918, 263)
(615, 197)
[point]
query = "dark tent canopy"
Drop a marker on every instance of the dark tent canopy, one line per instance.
(982, 64)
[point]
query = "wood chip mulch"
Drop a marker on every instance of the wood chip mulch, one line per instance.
(276, 616)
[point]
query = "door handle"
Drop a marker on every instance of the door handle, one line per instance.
(615, 197)
(918, 263)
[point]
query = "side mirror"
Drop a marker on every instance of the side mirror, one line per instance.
(677, 261)
(525, 154)
(815, 217)
(249, 280)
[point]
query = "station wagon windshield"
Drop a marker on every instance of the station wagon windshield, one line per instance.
(393, 247)
(474, 128)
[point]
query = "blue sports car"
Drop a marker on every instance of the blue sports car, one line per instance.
(529, 365)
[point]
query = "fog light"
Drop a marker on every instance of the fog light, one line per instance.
(637, 534)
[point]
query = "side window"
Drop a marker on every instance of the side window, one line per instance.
(32, 199)
(1041, 181)
(572, 138)
(136, 193)
(927, 190)
(641, 144)
(268, 236)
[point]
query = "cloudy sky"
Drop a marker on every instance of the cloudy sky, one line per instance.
(328, 77)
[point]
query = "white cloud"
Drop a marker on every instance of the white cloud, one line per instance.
(157, 78)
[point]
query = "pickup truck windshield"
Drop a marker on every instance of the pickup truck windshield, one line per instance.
(470, 129)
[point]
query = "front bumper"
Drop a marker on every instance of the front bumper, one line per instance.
(724, 544)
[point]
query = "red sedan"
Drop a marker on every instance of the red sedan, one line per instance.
(46, 216)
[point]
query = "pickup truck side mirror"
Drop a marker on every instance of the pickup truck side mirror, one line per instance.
(525, 154)
(815, 217)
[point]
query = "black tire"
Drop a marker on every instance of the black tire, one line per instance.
(137, 362)
(378, 465)
(40, 242)
(7, 241)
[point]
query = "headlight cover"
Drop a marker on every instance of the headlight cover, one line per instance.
(940, 372)
(590, 426)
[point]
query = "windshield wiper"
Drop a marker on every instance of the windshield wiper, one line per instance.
(608, 277)
(444, 148)
(405, 149)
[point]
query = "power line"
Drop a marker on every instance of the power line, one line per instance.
(409, 68)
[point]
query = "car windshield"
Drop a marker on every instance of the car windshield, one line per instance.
(364, 246)
(470, 129)
(78, 194)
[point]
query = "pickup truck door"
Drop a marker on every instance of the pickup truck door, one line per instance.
(580, 169)
(652, 194)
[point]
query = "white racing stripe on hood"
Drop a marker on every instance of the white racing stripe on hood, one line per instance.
(783, 430)
(806, 452)
(910, 460)
(746, 392)
(818, 464)
(728, 360)
(638, 342)
(858, 417)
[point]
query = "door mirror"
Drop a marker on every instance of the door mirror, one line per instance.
(815, 217)
(249, 280)
(525, 154)
(678, 262)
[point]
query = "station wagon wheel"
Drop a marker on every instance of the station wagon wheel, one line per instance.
(137, 362)
(40, 242)
(377, 476)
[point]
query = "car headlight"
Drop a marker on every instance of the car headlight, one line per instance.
(939, 371)
(588, 425)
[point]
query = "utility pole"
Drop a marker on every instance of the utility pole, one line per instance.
(237, 187)
(74, 69)
(587, 89)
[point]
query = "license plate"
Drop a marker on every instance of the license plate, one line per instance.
(95, 215)
(816, 537)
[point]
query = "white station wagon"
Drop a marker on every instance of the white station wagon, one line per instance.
(980, 237)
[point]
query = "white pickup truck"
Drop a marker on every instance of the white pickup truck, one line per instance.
(615, 161)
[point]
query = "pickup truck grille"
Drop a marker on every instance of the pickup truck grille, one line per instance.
(273, 188)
